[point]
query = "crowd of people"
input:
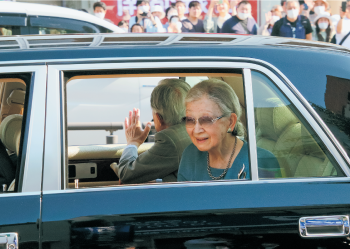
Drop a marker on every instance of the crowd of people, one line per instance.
(311, 20)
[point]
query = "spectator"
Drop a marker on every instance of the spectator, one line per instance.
(144, 17)
(270, 17)
(233, 5)
(343, 27)
(158, 12)
(293, 25)
(137, 28)
(124, 26)
(214, 25)
(243, 22)
(324, 29)
(193, 23)
(181, 9)
(100, 10)
(169, 13)
(174, 25)
(163, 158)
(320, 6)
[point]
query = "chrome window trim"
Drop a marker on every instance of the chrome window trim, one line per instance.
(32, 176)
(199, 184)
(178, 62)
(248, 90)
(12, 194)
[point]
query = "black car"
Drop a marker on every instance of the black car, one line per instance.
(60, 94)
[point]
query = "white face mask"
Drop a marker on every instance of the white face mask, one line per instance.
(323, 25)
(100, 15)
(174, 20)
(293, 13)
(144, 8)
(319, 9)
(243, 16)
(274, 19)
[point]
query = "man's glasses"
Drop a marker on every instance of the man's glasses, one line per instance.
(204, 121)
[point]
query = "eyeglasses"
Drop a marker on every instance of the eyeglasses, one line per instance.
(204, 121)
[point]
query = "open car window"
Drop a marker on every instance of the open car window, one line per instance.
(96, 109)
(12, 109)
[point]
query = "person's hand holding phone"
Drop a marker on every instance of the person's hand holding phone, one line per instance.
(343, 9)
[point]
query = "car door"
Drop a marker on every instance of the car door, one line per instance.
(23, 90)
(273, 208)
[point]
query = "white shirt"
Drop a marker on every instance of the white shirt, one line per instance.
(345, 30)
(221, 20)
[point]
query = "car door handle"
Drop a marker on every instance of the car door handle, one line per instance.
(9, 239)
(324, 226)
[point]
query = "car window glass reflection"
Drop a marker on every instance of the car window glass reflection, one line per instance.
(281, 130)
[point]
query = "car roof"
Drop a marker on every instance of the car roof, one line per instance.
(33, 9)
(48, 48)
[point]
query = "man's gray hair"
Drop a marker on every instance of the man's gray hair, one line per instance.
(223, 95)
(168, 100)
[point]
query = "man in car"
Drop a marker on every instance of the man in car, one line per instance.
(243, 22)
(193, 23)
(162, 160)
(293, 25)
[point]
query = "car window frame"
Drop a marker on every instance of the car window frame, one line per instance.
(30, 176)
(52, 177)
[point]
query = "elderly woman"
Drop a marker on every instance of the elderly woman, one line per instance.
(213, 124)
(162, 160)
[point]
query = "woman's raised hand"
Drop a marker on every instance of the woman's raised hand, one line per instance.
(133, 131)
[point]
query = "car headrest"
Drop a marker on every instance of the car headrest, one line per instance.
(273, 117)
(311, 147)
(10, 132)
(16, 97)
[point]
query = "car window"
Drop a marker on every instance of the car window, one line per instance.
(96, 109)
(56, 25)
(12, 111)
(285, 134)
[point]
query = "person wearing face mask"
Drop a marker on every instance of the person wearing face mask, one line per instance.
(343, 27)
(214, 25)
(243, 22)
(150, 23)
(271, 17)
(169, 12)
(100, 10)
(293, 25)
(324, 29)
(193, 23)
(320, 7)
(124, 26)
(174, 25)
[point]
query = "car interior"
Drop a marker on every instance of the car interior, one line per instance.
(280, 128)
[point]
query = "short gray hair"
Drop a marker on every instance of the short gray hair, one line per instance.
(223, 95)
(168, 100)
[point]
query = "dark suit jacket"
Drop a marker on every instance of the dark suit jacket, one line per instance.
(161, 161)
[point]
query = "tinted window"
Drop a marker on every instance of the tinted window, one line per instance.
(62, 25)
